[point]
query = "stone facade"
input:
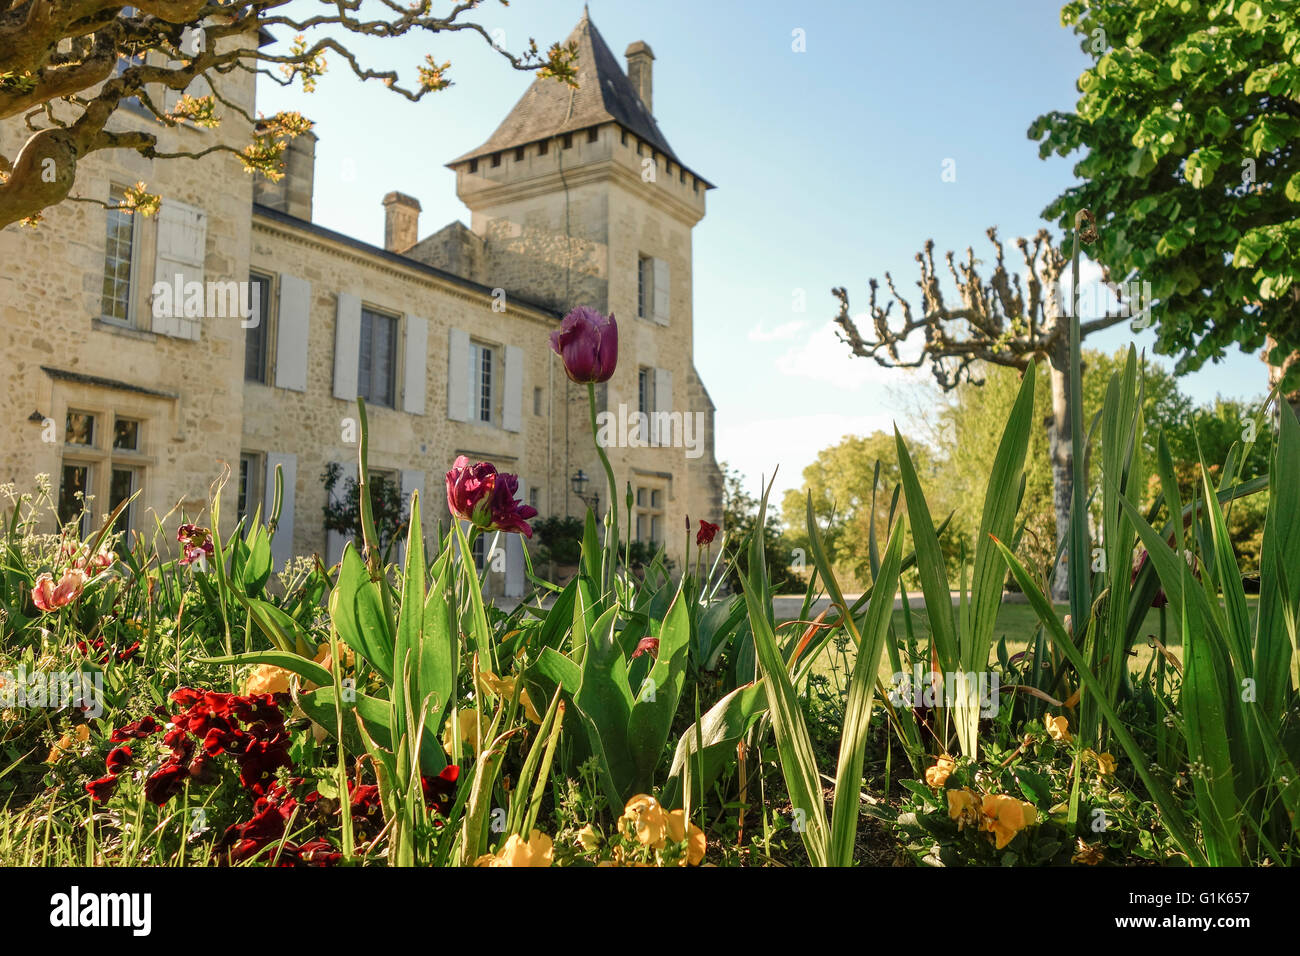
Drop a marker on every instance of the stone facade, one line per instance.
(448, 336)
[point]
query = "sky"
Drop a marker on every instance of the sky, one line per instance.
(829, 162)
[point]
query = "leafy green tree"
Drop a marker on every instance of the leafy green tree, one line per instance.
(840, 481)
(1188, 124)
(740, 519)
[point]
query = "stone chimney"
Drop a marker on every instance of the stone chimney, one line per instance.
(640, 70)
(293, 193)
(401, 221)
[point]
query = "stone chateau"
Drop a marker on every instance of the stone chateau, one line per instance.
(576, 199)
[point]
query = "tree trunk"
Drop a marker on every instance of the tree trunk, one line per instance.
(1276, 374)
(1060, 443)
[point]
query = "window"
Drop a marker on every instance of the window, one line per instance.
(256, 338)
(126, 434)
(473, 165)
(638, 147)
(377, 359)
(496, 160)
(645, 394)
(650, 515)
(543, 146)
(535, 497)
(122, 485)
(623, 136)
(645, 389)
(74, 485)
(593, 134)
(80, 429)
(681, 174)
(110, 469)
(645, 286)
(482, 382)
(567, 143)
(537, 401)
(479, 551)
(249, 493)
(119, 249)
(519, 155)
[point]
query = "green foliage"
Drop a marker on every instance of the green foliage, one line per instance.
(1186, 124)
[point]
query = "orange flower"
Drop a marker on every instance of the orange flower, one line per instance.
(963, 806)
(537, 850)
(644, 819)
(1005, 816)
(67, 744)
(1059, 729)
(937, 775)
(679, 830)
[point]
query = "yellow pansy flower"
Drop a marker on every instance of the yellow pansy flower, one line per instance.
(937, 775)
(473, 726)
(1005, 816)
(1059, 729)
(504, 687)
(589, 838)
(68, 743)
(963, 806)
(537, 850)
(679, 830)
(645, 819)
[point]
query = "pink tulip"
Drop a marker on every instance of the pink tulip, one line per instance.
(48, 596)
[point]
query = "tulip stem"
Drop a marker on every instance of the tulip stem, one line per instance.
(611, 541)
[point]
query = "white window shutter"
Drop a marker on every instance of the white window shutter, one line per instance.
(415, 383)
(334, 542)
(661, 294)
(458, 391)
(513, 400)
(282, 544)
(182, 245)
(293, 318)
(347, 346)
(516, 577)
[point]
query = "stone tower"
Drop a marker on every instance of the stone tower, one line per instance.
(578, 199)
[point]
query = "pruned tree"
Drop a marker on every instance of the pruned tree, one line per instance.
(68, 66)
(1000, 321)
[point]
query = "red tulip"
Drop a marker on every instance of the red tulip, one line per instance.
(485, 498)
(708, 531)
(587, 341)
(650, 644)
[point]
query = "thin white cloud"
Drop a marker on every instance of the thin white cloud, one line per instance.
(822, 357)
(781, 333)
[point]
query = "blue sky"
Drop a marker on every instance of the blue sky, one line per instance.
(828, 165)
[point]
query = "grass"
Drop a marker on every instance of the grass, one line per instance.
(1018, 625)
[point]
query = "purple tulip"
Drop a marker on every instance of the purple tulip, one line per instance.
(485, 498)
(588, 343)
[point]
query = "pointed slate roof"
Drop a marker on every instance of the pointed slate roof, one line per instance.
(550, 108)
